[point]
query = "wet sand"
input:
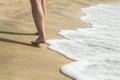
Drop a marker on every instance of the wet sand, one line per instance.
(21, 61)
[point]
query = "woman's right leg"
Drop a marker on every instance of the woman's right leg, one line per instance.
(38, 16)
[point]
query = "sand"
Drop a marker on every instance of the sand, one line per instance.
(18, 59)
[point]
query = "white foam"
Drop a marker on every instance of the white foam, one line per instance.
(96, 49)
(101, 67)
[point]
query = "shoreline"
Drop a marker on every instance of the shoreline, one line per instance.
(21, 61)
(80, 13)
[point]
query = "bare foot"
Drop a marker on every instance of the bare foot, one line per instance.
(39, 40)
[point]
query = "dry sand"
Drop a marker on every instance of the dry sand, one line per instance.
(18, 59)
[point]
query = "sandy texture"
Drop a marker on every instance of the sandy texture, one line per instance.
(18, 59)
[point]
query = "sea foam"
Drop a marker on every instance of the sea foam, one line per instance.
(95, 50)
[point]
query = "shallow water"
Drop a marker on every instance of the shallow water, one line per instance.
(96, 50)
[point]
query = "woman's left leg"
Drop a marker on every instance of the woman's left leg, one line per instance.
(43, 3)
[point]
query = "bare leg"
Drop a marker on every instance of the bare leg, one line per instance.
(38, 15)
(43, 3)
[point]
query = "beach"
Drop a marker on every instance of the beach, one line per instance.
(21, 61)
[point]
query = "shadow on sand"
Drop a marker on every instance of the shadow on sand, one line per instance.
(15, 33)
(13, 41)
